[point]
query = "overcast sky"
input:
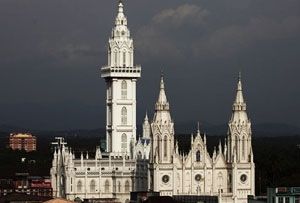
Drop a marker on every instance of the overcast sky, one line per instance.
(51, 52)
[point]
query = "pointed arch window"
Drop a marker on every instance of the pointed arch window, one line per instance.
(198, 156)
(158, 145)
(220, 180)
(124, 58)
(92, 186)
(130, 59)
(79, 186)
(124, 116)
(106, 186)
(140, 156)
(124, 142)
(116, 58)
(243, 147)
(165, 146)
(124, 89)
(119, 186)
(127, 186)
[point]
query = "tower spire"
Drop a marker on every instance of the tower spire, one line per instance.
(239, 103)
(162, 102)
(121, 19)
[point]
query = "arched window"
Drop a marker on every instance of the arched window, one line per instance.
(165, 146)
(79, 186)
(158, 145)
(106, 186)
(130, 55)
(124, 58)
(198, 156)
(124, 142)
(116, 58)
(243, 147)
(124, 116)
(220, 180)
(124, 89)
(92, 186)
(119, 186)
(140, 155)
(127, 186)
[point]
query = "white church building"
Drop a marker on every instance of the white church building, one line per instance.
(153, 162)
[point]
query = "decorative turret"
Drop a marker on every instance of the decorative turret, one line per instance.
(220, 148)
(146, 128)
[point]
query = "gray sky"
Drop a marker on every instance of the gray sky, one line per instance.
(51, 52)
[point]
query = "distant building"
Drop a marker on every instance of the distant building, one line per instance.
(284, 195)
(22, 183)
(257, 199)
(19, 141)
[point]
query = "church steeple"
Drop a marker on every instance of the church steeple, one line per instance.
(239, 131)
(162, 127)
(239, 106)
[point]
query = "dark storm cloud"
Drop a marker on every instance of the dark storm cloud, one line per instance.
(51, 52)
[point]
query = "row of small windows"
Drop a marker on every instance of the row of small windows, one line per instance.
(106, 186)
(123, 90)
(198, 154)
(165, 146)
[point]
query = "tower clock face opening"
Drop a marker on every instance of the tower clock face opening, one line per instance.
(165, 178)
(198, 177)
(243, 178)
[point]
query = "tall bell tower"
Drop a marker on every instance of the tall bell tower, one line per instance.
(120, 75)
(240, 154)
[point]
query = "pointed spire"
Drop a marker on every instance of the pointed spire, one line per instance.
(220, 147)
(162, 102)
(239, 114)
(121, 18)
(239, 103)
(225, 148)
(198, 128)
(120, 10)
(146, 117)
(214, 154)
(176, 147)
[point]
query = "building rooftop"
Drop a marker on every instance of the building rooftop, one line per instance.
(21, 135)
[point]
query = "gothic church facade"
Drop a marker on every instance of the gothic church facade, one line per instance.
(153, 162)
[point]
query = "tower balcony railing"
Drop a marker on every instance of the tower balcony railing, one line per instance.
(121, 71)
